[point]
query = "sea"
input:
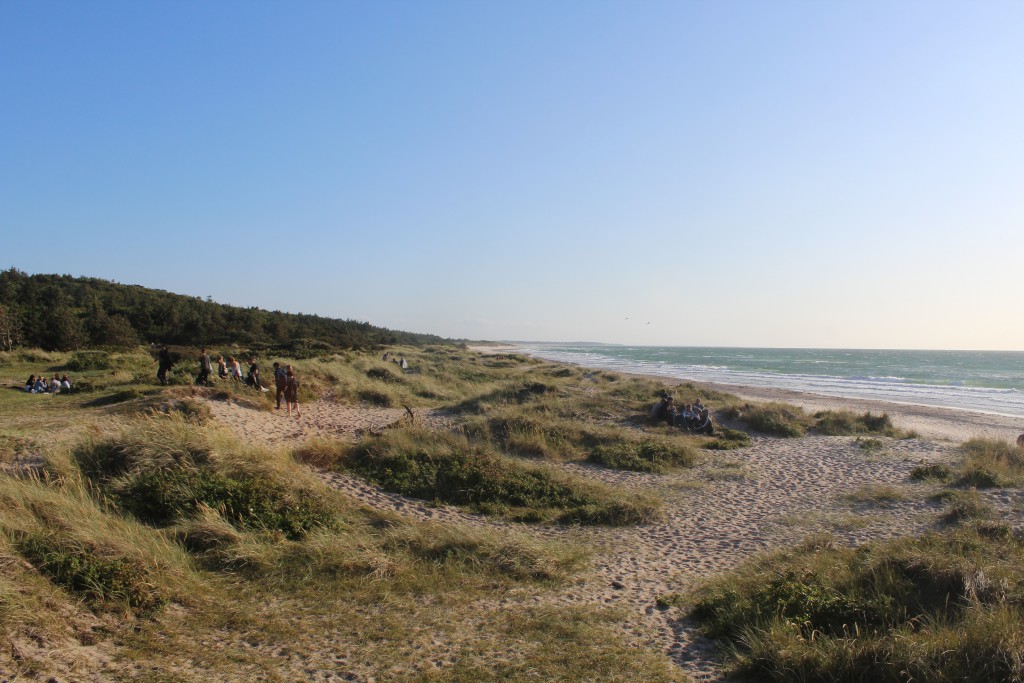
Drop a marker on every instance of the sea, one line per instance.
(978, 381)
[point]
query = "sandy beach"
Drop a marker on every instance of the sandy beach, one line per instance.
(730, 507)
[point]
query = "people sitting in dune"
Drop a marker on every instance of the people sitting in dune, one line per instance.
(234, 369)
(222, 368)
(65, 383)
(685, 417)
(30, 383)
(253, 378)
(664, 409)
(695, 418)
(703, 423)
(40, 386)
(55, 385)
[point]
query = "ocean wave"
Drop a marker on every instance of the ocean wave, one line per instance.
(897, 389)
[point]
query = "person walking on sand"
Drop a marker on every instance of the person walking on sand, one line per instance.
(163, 358)
(205, 368)
(291, 392)
(280, 380)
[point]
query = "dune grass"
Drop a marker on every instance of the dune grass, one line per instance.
(148, 525)
(449, 468)
(991, 462)
(943, 607)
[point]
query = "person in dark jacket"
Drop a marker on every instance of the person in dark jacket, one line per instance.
(164, 364)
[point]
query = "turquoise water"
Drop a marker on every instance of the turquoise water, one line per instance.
(984, 381)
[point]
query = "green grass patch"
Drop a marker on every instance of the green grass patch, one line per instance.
(164, 497)
(450, 469)
(875, 494)
(643, 456)
(935, 471)
(775, 419)
(98, 576)
(944, 607)
(847, 423)
(991, 462)
(727, 439)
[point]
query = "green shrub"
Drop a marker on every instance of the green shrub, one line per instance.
(447, 468)
(642, 456)
(942, 607)
(964, 506)
(383, 374)
(377, 398)
(999, 462)
(163, 497)
(776, 419)
(122, 396)
(869, 445)
(846, 423)
(979, 477)
(727, 439)
(87, 571)
(936, 471)
(89, 360)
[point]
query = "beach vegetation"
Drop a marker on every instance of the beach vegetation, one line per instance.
(774, 419)
(171, 532)
(992, 462)
(962, 505)
(449, 468)
(848, 423)
(643, 456)
(942, 607)
(726, 439)
(875, 494)
(932, 471)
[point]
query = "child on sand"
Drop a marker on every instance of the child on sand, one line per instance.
(291, 392)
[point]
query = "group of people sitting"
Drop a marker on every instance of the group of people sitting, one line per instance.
(42, 385)
(693, 417)
(400, 361)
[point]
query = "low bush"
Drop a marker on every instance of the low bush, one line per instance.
(122, 396)
(727, 439)
(375, 397)
(447, 468)
(91, 573)
(991, 459)
(963, 506)
(846, 423)
(943, 607)
(932, 471)
(383, 375)
(83, 361)
(163, 497)
(643, 456)
(776, 419)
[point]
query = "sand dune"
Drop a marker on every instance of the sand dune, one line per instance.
(732, 506)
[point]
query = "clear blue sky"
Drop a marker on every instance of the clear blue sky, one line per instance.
(732, 173)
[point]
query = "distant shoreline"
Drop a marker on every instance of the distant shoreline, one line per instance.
(933, 422)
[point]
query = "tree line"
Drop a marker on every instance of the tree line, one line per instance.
(62, 313)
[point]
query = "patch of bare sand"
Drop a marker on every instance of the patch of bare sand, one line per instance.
(321, 418)
(732, 507)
